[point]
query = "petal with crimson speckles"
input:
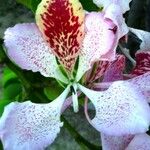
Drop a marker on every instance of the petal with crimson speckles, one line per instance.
(27, 125)
(26, 47)
(111, 71)
(115, 71)
(115, 142)
(142, 63)
(140, 142)
(123, 4)
(61, 22)
(143, 83)
(99, 40)
(120, 110)
(144, 36)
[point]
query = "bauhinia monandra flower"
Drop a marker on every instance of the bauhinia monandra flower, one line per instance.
(67, 36)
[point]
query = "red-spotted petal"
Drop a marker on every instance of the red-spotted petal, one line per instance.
(144, 36)
(61, 22)
(140, 142)
(115, 142)
(27, 48)
(120, 110)
(143, 83)
(99, 40)
(142, 63)
(27, 125)
(123, 4)
(115, 71)
(111, 71)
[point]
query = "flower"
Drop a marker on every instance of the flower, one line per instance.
(64, 32)
(126, 142)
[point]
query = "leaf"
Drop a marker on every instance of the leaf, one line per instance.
(26, 3)
(8, 76)
(53, 91)
(3, 103)
(31, 4)
(34, 4)
(89, 5)
(12, 90)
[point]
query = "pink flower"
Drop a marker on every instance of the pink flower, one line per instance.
(63, 31)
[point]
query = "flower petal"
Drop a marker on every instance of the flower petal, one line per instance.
(31, 126)
(123, 4)
(99, 40)
(111, 71)
(140, 142)
(26, 47)
(143, 83)
(144, 36)
(113, 13)
(142, 63)
(115, 70)
(115, 142)
(121, 107)
(61, 22)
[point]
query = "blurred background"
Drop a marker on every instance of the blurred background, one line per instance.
(12, 13)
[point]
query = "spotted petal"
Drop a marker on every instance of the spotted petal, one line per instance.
(33, 126)
(121, 107)
(100, 40)
(143, 83)
(144, 36)
(61, 22)
(142, 63)
(115, 70)
(26, 47)
(140, 142)
(115, 142)
(123, 4)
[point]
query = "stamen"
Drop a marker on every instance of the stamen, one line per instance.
(75, 97)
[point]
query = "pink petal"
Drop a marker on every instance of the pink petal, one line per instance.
(140, 142)
(144, 36)
(143, 83)
(142, 63)
(115, 142)
(99, 71)
(32, 126)
(111, 71)
(113, 12)
(26, 47)
(123, 4)
(100, 38)
(115, 70)
(120, 110)
(62, 24)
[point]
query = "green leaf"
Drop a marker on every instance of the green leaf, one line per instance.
(53, 91)
(31, 4)
(26, 3)
(34, 4)
(2, 55)
(12, 90)
(89, 5)
(3, 103)
(8, 76)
